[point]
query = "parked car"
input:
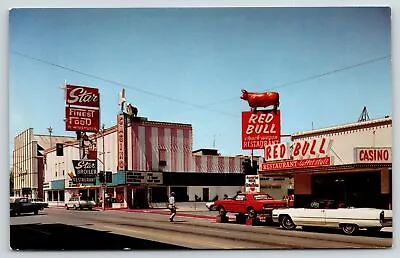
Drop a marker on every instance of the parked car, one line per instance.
(251, 204)
(77, 202)
(19, 205)
(211, 206)
(40, 201)
(349, 220)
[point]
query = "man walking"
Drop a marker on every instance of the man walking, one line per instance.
(172, 207)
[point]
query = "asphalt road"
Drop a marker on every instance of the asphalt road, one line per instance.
(59, 229)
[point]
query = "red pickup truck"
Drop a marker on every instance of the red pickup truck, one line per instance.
(251, 204)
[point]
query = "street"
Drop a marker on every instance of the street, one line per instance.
(60, 229)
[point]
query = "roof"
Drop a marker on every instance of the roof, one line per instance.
(344, 127)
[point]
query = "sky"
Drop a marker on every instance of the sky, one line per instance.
(188, 65)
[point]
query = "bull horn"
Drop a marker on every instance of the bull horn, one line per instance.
(244, 91)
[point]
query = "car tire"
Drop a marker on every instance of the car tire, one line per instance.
(349, 229)
(36, 212)
(75, 208)
(66, 207)
(286, 222)
(90, 208)
(221, 211)
(251, 213)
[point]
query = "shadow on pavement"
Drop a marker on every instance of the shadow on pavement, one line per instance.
(381, 234)
(53, 237)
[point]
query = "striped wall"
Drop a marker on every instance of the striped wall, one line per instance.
(148, 143)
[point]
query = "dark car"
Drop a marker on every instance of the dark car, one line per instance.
(19, 205)
(41, 202)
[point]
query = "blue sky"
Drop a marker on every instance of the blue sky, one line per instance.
(188, 65)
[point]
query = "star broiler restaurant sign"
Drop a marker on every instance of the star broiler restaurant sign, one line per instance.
(85, 171)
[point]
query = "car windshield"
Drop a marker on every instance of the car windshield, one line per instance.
(259, 197)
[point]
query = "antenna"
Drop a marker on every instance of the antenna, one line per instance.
(364, 115)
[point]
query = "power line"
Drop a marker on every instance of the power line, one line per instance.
(311, 77)
(206, 107)
(120, 84)
(331, 72)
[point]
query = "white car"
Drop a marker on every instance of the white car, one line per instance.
(349, 220)
(79, 203)
(211, 206)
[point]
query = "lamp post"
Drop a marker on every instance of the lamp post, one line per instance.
(104, 167)
(50, 130)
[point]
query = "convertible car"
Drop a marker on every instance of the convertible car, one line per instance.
(349, 220)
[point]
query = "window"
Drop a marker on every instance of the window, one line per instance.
(55, 196)
(61, 196)
(262, 197)
(50, 196)
(240, 197)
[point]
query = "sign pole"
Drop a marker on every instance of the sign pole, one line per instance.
(104, 168)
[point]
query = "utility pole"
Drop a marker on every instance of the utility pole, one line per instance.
(50, 130)
(104, 168)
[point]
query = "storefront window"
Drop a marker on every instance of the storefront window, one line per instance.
(50, 196)
(61, 193)
(55, 196)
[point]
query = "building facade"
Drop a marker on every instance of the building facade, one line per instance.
(359, 168)
(27, 163)
(148, 159)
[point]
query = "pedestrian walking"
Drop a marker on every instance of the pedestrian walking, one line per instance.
(172, 206)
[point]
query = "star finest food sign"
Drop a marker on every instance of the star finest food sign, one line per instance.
(81, 119)
(82, 108)
(82, 96)
(260, 129)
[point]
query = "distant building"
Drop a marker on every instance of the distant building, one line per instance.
(28, 164)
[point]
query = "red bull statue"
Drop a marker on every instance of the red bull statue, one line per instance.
(261, 99)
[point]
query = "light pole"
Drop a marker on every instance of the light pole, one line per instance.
(50, 130)
(104, 168)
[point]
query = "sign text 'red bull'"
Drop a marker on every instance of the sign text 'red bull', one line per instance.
(260, 129)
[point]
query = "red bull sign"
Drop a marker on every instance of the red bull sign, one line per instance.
(292, 164)
(260, 129)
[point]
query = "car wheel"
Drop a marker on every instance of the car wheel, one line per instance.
(251, 213)
(349, 229)
(90, 208)
(36, 212)
(75, 208)
(286, 222)
(222, 211)
(66, 207)
(80, 207)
